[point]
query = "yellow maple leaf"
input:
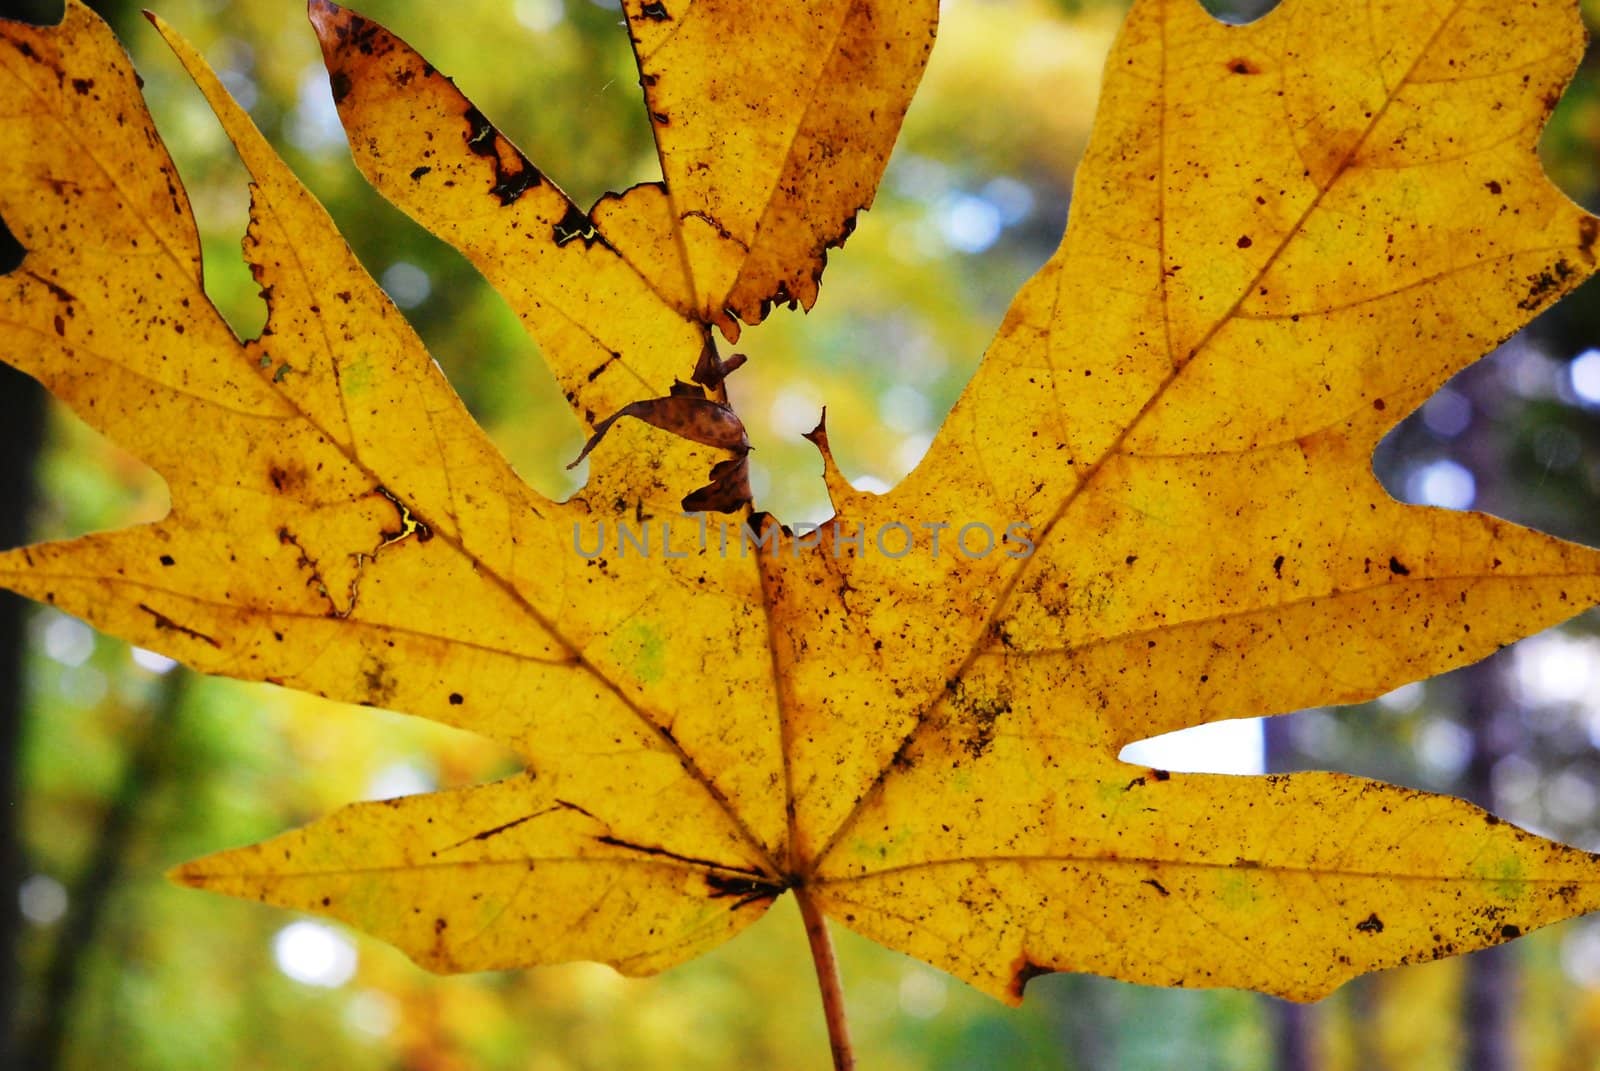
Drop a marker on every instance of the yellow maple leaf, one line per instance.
(1154, 498)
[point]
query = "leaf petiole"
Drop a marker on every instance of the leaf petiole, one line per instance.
(844, 1058)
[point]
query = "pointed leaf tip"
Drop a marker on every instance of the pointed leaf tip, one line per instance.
(186, 875)
(324, 15)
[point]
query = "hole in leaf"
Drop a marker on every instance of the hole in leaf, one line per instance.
(1239, 11)
(212, 175)
(87, 483)
(576, 111)
(1236, 746)
(11, 250)
(1509, 435)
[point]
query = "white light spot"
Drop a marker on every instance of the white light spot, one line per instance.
(1514, 781)
(540, 16)
(1585, 375)
(68, 640)
(151, 662)
(794, 411)
(870, 483)
(1529, 372)
(1404, 699)
(760, 481)
(1013, 199)
(913, 354)
(919, 178)
(42, 899)
(927, 240)
(1442, 483)
(406, 284)
(904, 408)
(399, 779)
(314, 123)
(1227, 747)
(372, 1014)
(1443, 747)
(314, 954)
(1570, 798)
(909, 454)
(1557, 668)
(1580, 954)
(969, 224)
(241, 87)
(922, 993)
(1317, 733)
(1447, 414)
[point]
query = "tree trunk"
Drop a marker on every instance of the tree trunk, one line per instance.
(22, 410)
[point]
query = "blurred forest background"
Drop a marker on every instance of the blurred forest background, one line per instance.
(114, 765)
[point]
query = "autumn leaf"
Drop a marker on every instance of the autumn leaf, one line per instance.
(1155, 497)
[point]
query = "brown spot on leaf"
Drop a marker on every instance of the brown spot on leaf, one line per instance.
(60, 293)
(513, 173)
(1241, 65)
(1372, 924)
(339, 83)
(576, 225)
(1023, 971)
(978, 714)
(410, 523)
(378, 681)
(1542, 285)
(287, 478)
(166, 624)
(742, 889)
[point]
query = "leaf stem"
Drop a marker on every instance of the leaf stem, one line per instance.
(844, 1058)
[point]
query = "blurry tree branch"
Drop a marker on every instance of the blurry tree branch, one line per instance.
(43, 1046)
(21, 433)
